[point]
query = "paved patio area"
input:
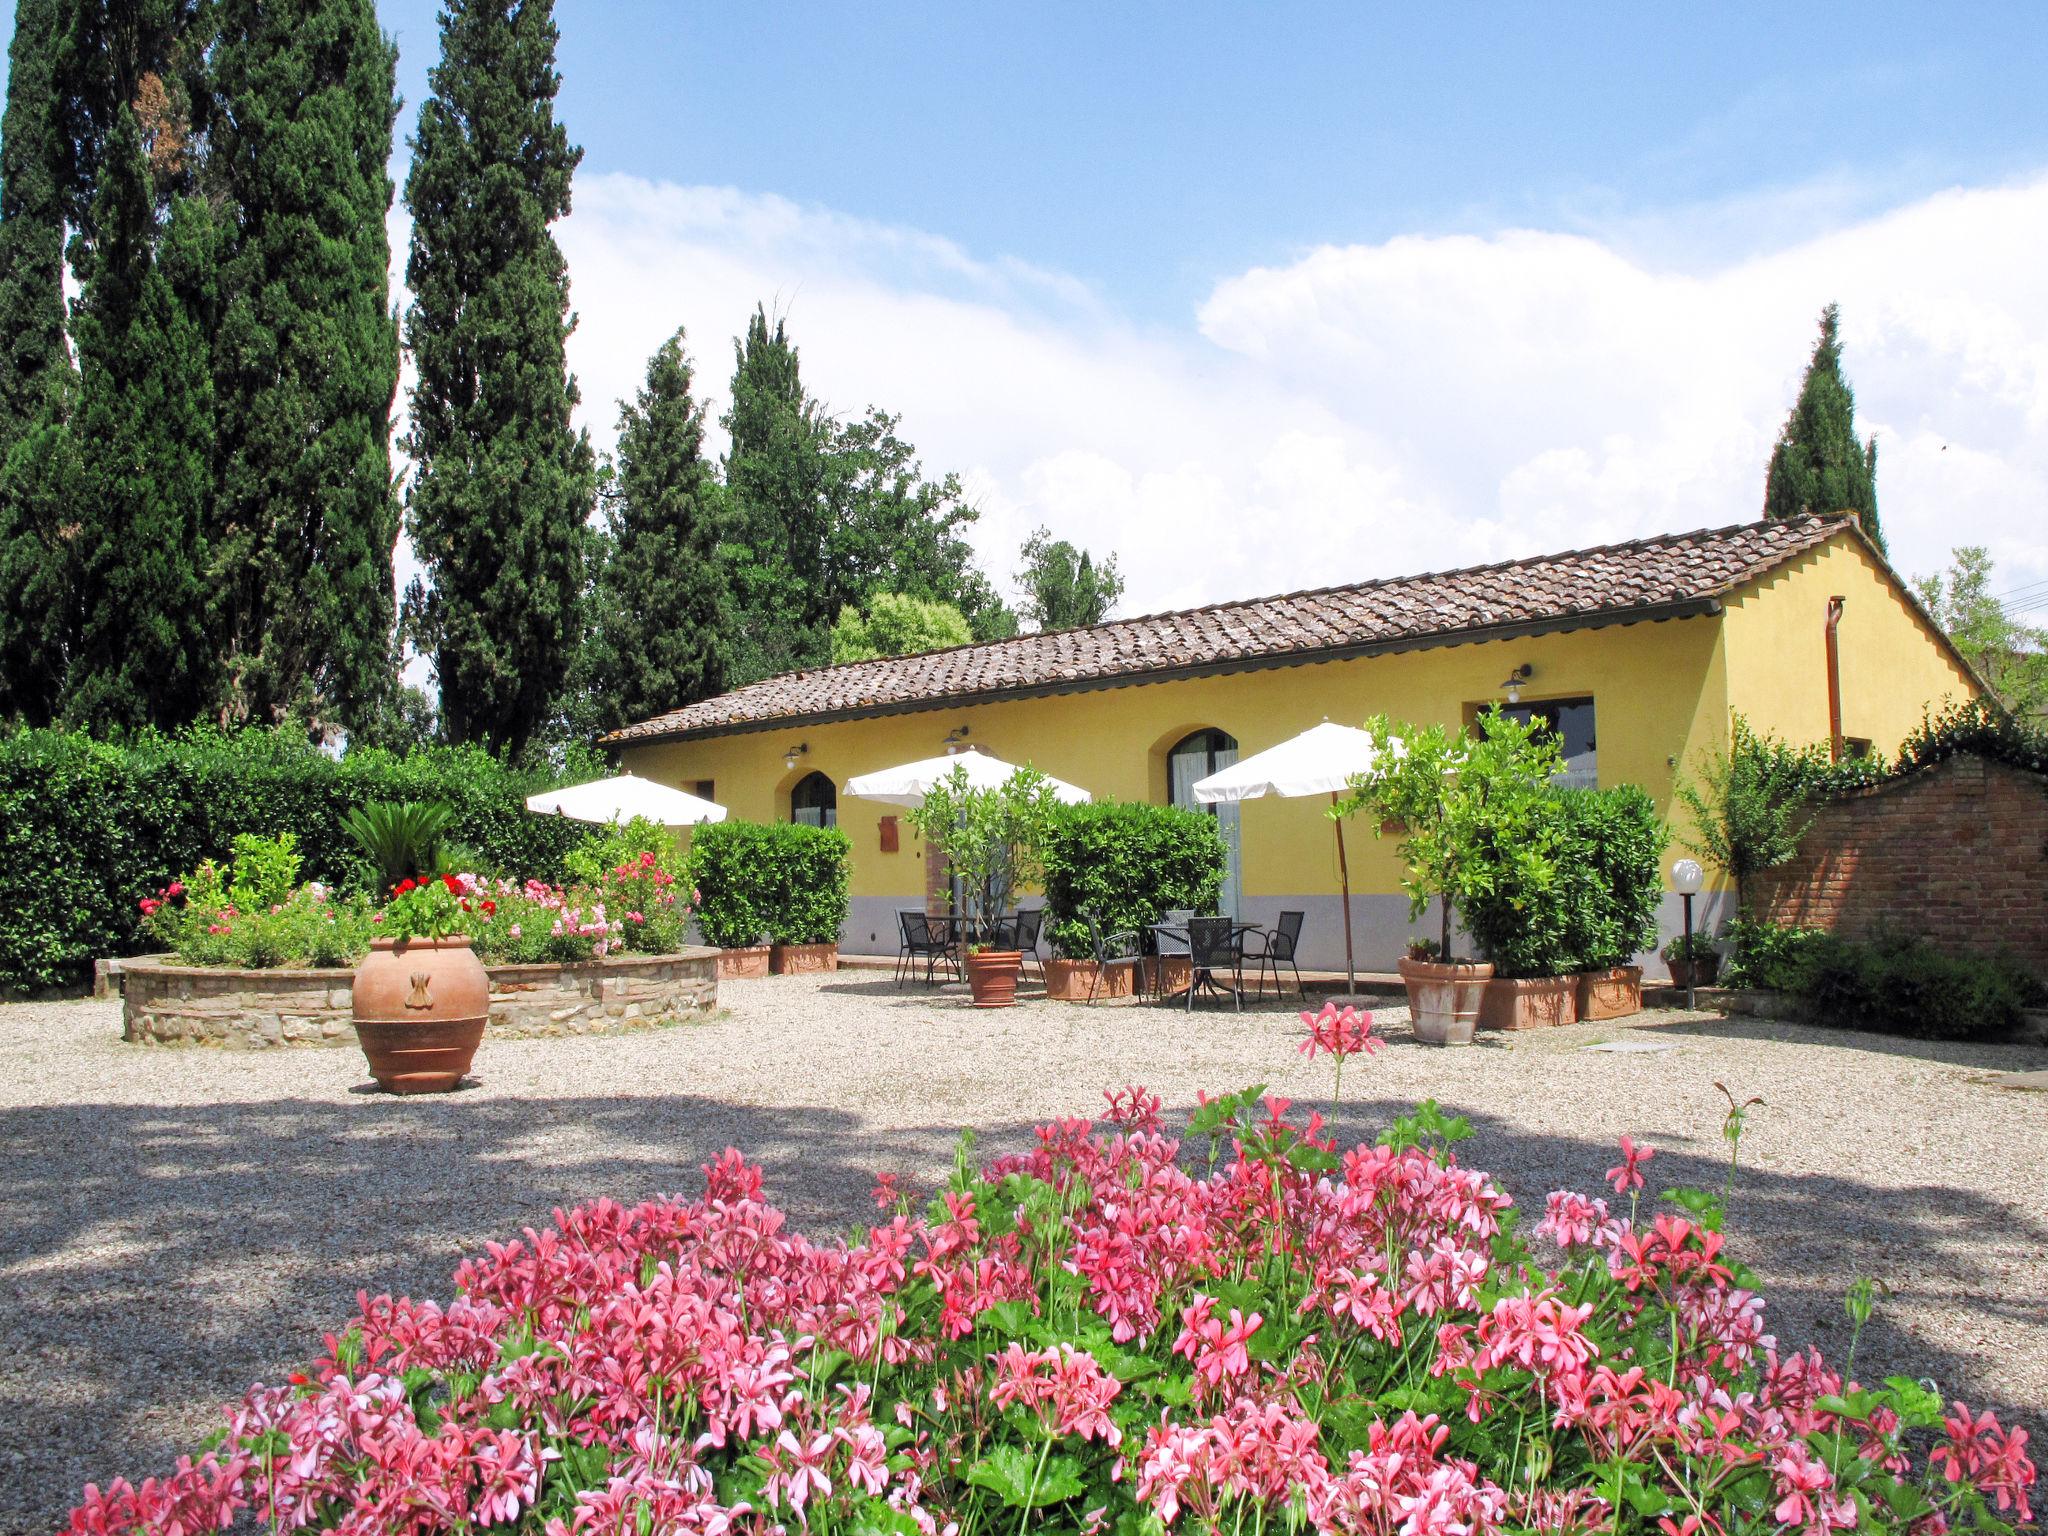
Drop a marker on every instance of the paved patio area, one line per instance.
(176, 1222)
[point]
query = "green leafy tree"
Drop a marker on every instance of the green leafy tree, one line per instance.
(993, 837)
(305, 357)
(1818, 464)
(893, 624)
(2011, 656)
(41, 497)
(503, 484)
(1750, 806)
(1063, 586)
(145, 653)
(657, 643)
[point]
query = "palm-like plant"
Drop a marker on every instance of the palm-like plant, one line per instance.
(402, 840)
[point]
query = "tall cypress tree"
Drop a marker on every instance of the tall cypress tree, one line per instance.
(145, 653)
(305, 356)
(774, 549)
(38, 387)
(656, 642)
(31, 221)
(1818, 464)
(503, 485)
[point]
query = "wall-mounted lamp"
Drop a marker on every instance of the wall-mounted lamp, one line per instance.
(954, 737)
(1513, 686)
(789, 758)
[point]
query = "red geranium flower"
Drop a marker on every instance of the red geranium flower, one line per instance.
(454, 885)
(490, 909)
(405, 885)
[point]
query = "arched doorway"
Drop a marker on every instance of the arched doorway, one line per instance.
(814, 802)
(1192, 759)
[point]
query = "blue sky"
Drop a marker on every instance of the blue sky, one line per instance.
(1148, 148)
(1266, 297)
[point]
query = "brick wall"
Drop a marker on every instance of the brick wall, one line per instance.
(1958, 853)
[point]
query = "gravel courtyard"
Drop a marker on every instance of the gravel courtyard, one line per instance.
(175, 1223)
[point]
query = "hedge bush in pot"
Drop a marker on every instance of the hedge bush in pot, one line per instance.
(778, 881)
(1610, 876)
(1130, 864)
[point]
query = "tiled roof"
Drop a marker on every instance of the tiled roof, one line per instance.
(1611, 584)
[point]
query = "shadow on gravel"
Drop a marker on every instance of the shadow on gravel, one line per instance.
(1986, 1055)
(203, 1248)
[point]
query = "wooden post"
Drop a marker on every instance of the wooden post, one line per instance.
(1344, 883)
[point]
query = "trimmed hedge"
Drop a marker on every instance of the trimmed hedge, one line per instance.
(775, 881)
(1591, 902)
(1896, 985)
(1129, 863)
(89, 827)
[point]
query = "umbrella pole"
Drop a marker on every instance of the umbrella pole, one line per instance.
(1344, 882)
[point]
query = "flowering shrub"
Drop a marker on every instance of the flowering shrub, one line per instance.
(434, 907)
(256, 922)
(1091, 1337)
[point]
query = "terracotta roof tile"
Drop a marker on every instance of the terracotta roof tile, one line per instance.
(1604, 585)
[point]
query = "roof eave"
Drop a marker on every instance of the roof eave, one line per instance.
(1606, 618)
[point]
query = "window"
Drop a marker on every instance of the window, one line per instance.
(705, 789)
(814, 802)
(1855, 746)
(1193, 759)
(1570, 721)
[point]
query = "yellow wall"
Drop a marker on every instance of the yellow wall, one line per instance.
(1659, 690)
(1892, 663)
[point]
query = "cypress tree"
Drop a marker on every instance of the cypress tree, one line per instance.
(656, 643)
(774, 550)
(38, 387)
(31, 222)
(305, 357)
(1818, 464)
(503, 485)
(145, 652)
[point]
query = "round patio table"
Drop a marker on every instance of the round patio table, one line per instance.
(1206, 975)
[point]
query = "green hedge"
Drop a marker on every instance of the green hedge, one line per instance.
(776, 881)
(1895, 985)
(89, 827)
(1129, 863)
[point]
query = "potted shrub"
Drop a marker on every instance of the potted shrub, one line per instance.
(728, 861)
(1609, 888)
(1693, 960)
(993, 838)
(421, 996)
(1130, 864)
(806, 897)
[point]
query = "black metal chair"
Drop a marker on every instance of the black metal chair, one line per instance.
(1021, 932)
(1215, 944)
(922, 940)
(1270, 951)
(1170, 942)
(1123, 948)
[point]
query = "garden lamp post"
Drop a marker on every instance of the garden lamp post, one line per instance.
(1686, 879)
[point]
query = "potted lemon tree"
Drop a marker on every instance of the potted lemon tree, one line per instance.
(993, 839)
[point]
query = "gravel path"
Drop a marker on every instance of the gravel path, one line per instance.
(175, 1223)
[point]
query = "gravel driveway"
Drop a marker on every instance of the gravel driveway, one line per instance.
(177, 1222)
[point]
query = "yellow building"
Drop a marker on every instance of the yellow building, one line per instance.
(1637, 654)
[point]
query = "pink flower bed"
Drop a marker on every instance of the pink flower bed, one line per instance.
(1242, 1329)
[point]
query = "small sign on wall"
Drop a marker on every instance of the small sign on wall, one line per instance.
(889, 843)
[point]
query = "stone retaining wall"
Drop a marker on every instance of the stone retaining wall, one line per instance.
(166, 1003)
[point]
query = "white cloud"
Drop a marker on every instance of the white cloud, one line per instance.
(1369, 410)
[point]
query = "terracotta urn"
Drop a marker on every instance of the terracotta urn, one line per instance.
(1444, 999)
(420, 1006)
(992, 976)
(800, 959)
(1703, 972)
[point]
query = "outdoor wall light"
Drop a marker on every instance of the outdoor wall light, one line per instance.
(1513, 686)
(955, 736)
(789, 758)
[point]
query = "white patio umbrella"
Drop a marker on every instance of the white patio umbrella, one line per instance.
(909, 783)
(1317, 762)
(623, 797)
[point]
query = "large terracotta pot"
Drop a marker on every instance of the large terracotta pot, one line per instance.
(801, 959)
(1169, 975)
(748, 960)
(420, 1007)
(1611, 994)
(1529, 1002)
(1077, 981)
(992, 976)
(1444, 999)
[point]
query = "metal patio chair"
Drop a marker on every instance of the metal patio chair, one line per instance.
(1123, 947)
(1269, 951)
(1215, 944)
(922, 940)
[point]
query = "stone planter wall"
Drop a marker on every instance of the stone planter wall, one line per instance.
(167, 1003)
